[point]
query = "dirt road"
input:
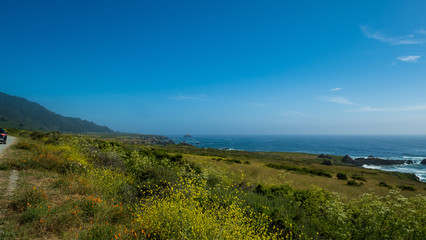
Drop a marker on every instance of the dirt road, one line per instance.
(10, 141)
(8, 182)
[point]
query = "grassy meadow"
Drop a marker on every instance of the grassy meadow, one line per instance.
(89, 187)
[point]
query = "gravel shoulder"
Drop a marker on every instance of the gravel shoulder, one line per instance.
(10, 141)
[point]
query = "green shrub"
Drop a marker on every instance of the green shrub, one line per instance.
(354, 183)
(318, 172)
(213, 180)
(260, 189)
(388, 217)
(342, 176)
(327, 162)
(357, 177)
(383, 184)
(233, 161)
(405, 187)
(38, 135)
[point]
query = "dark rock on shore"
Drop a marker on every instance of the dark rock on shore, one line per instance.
(371, 160)
(423, 161)
(348, 159)
(378, 161)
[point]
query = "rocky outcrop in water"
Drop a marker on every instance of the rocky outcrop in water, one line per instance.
(348, 159)
(423, 161)
(371, 160)
(379, 161)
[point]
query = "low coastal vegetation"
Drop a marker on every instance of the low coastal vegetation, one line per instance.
(319, 172)
(86, 187)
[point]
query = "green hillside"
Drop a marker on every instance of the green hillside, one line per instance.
(87, 187)
(17, 112)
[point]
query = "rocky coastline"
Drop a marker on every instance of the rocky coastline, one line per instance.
(371, 160)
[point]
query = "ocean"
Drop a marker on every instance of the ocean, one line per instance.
(409, 147)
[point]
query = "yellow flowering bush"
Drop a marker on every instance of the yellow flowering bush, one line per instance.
(189, 211)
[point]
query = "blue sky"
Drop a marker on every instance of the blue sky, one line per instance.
(221, 67)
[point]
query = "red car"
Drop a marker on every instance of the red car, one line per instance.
(3, 136)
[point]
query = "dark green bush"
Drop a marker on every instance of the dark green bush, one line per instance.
(383, 184)
(213, 180)
(405, 187)
(233, 161)
(177, 159)
(260, 189)
(318, 172)
(354, 183)
(358, 177)
(193, 167)
(342, 176)
(327, 162)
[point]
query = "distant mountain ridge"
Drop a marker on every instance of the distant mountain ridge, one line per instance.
(18, 112)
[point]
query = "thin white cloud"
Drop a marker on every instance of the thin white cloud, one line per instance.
(412, 108)
(409, 58)
(335, 89)
(410, 39)
(339, 100)
(292, 113)
(421, 31)
(190, 98)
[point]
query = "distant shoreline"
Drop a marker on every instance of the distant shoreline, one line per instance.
(401, 148)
